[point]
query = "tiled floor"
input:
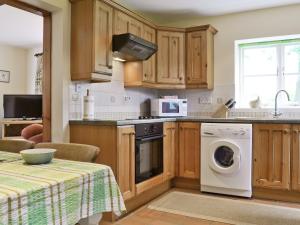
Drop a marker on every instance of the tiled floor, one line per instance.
(145, 216)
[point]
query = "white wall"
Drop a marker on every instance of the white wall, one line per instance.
(253, 24)
(31, 68)
(112, 100)
(13, 59)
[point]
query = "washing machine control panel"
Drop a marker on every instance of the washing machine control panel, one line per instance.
(227, 130)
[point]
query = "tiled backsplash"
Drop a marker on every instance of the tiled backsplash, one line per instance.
(113, 101)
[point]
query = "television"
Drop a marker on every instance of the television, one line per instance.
(23, 106)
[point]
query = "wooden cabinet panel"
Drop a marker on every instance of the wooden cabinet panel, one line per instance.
(200, 60)
(271, 155)
(135, 27)
(121, 22)
(170, 57)
(91, 38)
(296, 158)
(149, 65)
(103, 29)
(189, 150)
(169, 150)
(126, 24)
(126, 161)
(196, 52)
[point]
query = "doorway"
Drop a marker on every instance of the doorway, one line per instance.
(45, 56)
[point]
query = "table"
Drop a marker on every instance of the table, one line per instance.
(61, 192)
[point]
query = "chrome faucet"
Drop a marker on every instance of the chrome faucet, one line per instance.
(276, 113)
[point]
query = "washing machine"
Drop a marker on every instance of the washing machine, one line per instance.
(226, 158)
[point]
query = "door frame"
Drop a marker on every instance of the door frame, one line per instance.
(47, 32)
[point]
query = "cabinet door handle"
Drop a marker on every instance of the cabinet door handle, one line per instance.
(145, 75)
(286, 131)
(109, 67)
(180, 78)
(188, 78)
(296, 131)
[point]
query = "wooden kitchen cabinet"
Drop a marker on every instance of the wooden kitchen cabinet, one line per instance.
(271, 156)
(189, 150)
(200, 57)
(296, 158)
(91, 41)
(124, 23)
(126, 161)
(142, 73)
(171, 57)
(149, 66)
(170, 142)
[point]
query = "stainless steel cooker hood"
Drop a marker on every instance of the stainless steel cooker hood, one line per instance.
(128, 47)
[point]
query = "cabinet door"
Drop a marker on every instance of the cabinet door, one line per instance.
(271, 155)
(126, 161)
(135, 27)
(121, 22)
(149, 65)
(103, 27)
(296, 158)
(196, 58)
(189, 150)
(170, 57)
(169, 150)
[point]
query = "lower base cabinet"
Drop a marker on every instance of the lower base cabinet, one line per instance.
(170, 141)
(296, 158)
(126, 161)
(271, 156)
(189, 150)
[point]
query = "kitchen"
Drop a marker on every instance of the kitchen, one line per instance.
(194, 71)
(193, 107)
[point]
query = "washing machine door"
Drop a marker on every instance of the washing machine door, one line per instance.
(224, 157)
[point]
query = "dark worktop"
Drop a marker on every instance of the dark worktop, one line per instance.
(187, 119)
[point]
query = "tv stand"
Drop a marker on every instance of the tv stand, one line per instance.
(11, 128)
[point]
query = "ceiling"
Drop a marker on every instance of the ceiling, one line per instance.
(20, 28)
(175, 10)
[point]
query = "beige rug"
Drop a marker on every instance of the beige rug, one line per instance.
(220, 209)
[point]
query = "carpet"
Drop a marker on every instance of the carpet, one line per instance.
(225, 210)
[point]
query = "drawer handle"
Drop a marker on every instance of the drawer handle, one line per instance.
(296, 131)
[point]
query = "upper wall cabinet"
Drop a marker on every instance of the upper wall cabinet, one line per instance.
(91, 40)
(200, 57)
(142, 73)
(171, 57)
(126, 24)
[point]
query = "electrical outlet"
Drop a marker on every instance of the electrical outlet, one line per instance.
(205, 100)
(75, 97)
(112, 99)
(220, 100)
(127, 98)
(78, 88)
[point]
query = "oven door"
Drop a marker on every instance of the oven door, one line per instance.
(148, 158)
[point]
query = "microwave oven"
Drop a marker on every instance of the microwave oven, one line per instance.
(168, 107)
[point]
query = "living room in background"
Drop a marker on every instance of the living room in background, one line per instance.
(265, 66)
(26, 48)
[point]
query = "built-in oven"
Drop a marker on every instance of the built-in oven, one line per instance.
(148, 151)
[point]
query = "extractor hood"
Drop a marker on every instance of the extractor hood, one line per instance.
(128, 47)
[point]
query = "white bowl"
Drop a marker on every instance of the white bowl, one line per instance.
(38, 155)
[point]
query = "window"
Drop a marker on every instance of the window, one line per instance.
(263, 68)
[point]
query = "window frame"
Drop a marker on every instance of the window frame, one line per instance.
(239, 76)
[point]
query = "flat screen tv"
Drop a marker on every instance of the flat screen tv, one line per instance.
(23, 106)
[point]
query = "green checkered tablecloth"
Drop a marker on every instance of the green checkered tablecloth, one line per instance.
(61, 192)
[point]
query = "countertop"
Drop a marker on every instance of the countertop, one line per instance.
(187, 119)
